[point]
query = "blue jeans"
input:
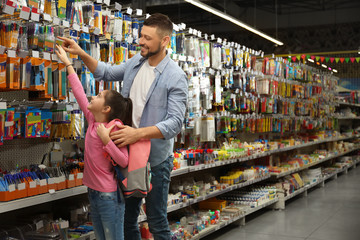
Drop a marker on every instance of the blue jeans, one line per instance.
(156, 206)
(107, 215)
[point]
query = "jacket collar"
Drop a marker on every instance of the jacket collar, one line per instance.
(160, 67)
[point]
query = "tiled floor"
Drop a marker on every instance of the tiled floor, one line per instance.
(329, 213)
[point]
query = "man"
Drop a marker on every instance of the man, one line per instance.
(158, 89)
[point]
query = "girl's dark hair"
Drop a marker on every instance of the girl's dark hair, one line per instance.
(121, 108)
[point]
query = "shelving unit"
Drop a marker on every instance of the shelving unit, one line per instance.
(39, 199)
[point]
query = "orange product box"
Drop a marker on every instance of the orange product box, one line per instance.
(43, 187)
(78, 179)
(8, 195)
(61, 183)
(52, 183)
(71, 181)
(32, 189)
(13, 73)
(3, 58)
(212, 204)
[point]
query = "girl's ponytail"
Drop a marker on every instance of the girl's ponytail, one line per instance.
(128, 112)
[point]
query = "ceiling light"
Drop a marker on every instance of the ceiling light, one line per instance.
(335, 71)
(233, 20)
(310, 60)
(323, 65)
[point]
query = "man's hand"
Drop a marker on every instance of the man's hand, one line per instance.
(125, 136)
(71, 46)
(104, 133)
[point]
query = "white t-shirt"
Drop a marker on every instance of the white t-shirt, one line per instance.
(139, 89)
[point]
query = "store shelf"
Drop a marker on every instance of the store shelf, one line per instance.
(215, 193)
(220, 225)
(348, 104)
(200, 167)
(39, 199)
(279, 175)
(352, 118)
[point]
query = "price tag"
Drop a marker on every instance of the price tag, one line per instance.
(64, 224)
(54, 57)
(76, 27)
(195, 32)
(11, 187)
(2, 49)
(118, 6)
(47, 17)
(39, 224)
(62, 179)
(25, 13)
(50, 181)
(85, 29)
(79, 175)
(9, 9)
(174, 56)
(21, 186)
(35, 54)
(182, 58)
(190, 30)
(11, 53)
(71, 177)
(107, 2)
(56, 21)
(32, 184)
(212, 37)
(99, 1)
(206, 36)
(219, 40)
(97, 31)
(65, 23)
(51, 191)
(129, 10)
(43, 182)
(139, 12)
(183, 25)
(147, 16)
(47, 56)
(175, 27)
(199, 34)
(35, 17)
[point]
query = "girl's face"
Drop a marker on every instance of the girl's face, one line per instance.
(97, 103)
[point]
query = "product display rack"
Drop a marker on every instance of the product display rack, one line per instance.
(39, 199)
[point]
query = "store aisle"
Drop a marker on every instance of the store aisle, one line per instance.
(329, 213)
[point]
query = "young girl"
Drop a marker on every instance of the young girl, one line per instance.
(107, 213)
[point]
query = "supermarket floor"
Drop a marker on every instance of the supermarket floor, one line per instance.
(329, 213)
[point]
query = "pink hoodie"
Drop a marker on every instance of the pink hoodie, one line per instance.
(98, 170)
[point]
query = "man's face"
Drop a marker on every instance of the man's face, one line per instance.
(150, 41)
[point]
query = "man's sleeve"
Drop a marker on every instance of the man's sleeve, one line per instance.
(176, 107)
(108, 72)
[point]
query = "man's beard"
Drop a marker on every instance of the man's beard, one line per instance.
(150, 54)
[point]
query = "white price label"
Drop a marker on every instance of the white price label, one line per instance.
(182, 58)
(183, 25)
(56, 21)
(12, 187)
(32, 184)
(62, 179)
(96, 31)
(118, 6)
(54, 57)
(35, 17)
(99, 1)
(64, 224)
(47, 17)
(85, 29)
(199, 34)
(47, 56)
(43, 182)
(11, 53)
(2, 49)
(80, 176)
(190, 30)
(175, 27)
(9, 10)
(39, 224)
(35, 54)
(51, 191)
(65, 23)
(25, 13)
(21, 186)
(206, 36)
(219, 40)
(50, 181)
(195, 32)
(174, 56)
(139, 12)
(76, 27)
(107, 2)
(147, 16)
(71, 177)
(129, 10)
(212, 37)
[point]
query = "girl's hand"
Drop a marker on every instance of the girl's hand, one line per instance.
(60, 52)
(104, 133)
(71, 46)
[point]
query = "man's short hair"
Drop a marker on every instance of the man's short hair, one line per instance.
(161, 22)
